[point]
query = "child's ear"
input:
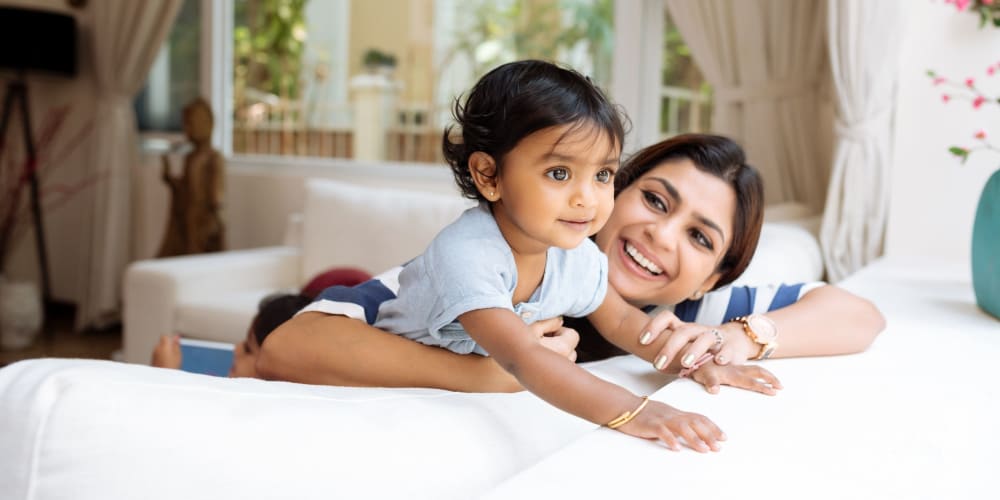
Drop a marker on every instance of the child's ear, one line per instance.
(484, 173)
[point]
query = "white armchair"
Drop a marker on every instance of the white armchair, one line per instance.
(214, 296)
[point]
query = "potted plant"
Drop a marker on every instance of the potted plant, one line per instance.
(986, 228)
(378, 62)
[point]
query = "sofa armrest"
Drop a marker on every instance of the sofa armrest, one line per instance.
(153, 288)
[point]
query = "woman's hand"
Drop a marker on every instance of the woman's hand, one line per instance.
(749, 377)
(691, 340)
(554, 336)
(670, 425)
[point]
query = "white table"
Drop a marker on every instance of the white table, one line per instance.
(916, 416)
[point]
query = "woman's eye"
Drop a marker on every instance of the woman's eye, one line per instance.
(559, 174)
(605, 176)
(702, 240)
(654, 201)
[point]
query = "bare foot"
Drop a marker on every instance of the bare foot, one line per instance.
(167, 353)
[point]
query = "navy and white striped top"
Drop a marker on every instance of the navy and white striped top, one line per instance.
(717, 307)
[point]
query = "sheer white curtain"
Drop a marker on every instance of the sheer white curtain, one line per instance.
(764, 58)
(126, 37)
(864, 43)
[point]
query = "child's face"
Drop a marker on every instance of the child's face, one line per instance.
(556, 190)
(245, 357)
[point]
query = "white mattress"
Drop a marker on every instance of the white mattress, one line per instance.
(913, 417)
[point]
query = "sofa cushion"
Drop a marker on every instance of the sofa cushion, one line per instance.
(347, 225)
(224, 318)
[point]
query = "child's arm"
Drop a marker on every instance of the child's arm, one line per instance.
(571, 388)
(624, 325)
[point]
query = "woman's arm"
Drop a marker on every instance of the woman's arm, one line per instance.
(317, 348)
(825, 321)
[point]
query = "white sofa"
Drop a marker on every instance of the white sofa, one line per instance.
(214, 296)
(911, 418)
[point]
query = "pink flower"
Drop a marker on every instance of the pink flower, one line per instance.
(962, 4)
(939, 80)
(978, 102)
(991, 70)
(986, 2)
(969, 82)
(981, 135)
(945, 97)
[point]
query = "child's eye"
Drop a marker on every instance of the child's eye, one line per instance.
(559, 174)
(605, 176)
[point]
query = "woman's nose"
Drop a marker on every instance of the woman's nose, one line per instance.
(663, 233)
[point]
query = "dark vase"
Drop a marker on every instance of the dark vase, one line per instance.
(986, 248)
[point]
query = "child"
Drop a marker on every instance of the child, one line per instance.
(539, 149)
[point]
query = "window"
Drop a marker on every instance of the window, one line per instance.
(375, 79)
(174, 80)
(685, 97)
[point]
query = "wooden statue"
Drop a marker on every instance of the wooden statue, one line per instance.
(195, 224)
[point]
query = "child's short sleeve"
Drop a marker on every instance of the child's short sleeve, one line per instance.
(467, 274)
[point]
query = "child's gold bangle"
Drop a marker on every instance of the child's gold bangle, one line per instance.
(627, 417)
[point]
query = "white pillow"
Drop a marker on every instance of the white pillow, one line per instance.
(370, 228)
(787, 253)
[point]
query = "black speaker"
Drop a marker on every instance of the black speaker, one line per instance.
(37, 40)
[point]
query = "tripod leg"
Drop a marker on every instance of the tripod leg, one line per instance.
(36, 206)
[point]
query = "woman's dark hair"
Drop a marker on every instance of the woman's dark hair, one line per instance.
(518, 99)
(274, 310)
(723, 158)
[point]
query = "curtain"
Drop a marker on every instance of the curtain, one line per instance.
(125, 39)
(864, 45)
(765, 62)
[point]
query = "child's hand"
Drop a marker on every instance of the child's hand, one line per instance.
(555, 337)
(670, 425)
(749, 377)
(167, 353)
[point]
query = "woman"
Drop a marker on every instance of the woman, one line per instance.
(686, 221)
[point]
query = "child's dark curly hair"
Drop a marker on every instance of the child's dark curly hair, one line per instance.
(516, 100)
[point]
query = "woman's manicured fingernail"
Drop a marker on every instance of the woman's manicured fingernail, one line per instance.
(660, 362)
(646, 338)
(687, 359)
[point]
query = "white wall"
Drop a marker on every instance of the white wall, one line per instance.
(934, 197)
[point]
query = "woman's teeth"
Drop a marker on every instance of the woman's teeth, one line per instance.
(642, 261)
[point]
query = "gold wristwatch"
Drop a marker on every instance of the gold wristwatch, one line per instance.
(762, 331)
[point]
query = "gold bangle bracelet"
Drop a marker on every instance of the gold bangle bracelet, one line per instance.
(627, 417)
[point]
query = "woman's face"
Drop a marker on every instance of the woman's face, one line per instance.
(668, 233)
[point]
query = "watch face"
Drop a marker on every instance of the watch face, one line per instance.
(763, 328)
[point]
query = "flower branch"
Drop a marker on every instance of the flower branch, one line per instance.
(967, 90)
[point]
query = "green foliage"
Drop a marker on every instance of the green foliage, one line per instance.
(375, 57)
(269, 42)
(506, 30)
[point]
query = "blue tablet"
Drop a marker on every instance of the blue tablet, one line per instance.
(204, 356)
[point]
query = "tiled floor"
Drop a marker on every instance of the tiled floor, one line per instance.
(60, 341)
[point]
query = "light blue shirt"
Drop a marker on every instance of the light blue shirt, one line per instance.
(469, 266)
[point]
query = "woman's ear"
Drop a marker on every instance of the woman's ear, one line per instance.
(484, 173)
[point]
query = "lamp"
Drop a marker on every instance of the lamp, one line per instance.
(33, 40)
